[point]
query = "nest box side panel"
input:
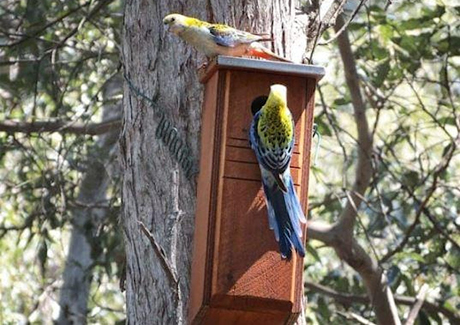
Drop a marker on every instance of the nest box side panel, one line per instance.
(204, 190)
(248, 270)
(307, 146)
(307, 134)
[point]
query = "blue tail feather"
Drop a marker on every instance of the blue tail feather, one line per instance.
(285, 215)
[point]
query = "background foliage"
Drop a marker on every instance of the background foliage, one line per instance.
(55, 58)
(408, 62)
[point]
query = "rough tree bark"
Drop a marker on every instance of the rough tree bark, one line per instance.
(162, 105)
(86, 219)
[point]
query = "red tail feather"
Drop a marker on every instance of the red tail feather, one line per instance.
(259, 51)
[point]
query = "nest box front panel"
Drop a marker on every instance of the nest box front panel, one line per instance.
(247, 262)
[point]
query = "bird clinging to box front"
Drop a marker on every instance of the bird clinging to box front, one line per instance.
(218, 39)
(272, 138)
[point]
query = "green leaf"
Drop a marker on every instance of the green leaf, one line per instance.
(448, 306)
(447, 120)
(457, 9)
(355, 26)
(435, 317)
(108, 268)
(312, 251)
(386, 32)
(323, 309)
(409, 285)
(42, 256)
(453, 258)
(423, 318)
(323, 128)
(415, 23)
(341, 101)
(446, 149)
(448, 45)
(438, 11)
(380, 74)
(417, 257)
(411, 178)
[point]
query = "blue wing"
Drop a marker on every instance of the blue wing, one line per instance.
(227, 36)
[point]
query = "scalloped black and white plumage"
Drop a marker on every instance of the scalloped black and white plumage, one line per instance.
(271, 136)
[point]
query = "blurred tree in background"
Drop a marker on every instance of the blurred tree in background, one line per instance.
(58, 90)
(404, 73)
(388, 164)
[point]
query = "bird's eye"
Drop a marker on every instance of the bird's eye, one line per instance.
(173, 19)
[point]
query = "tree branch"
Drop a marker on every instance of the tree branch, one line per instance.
(348, 299)
(342, 29)
(364, 167)
(340, 235)
(161, 255)
(438, 171)
(417, 305)
(61, 127)
(48, 25)
(355, 317)
(372, 274)
(321, 16)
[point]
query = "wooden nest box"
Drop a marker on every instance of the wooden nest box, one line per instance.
(238, 276)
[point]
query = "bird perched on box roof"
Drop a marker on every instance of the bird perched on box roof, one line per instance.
(218, 39)
(272, 138)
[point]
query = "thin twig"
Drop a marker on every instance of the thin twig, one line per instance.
(61, 127)
(417, 305)
(411, 228)
(356, 317)
(159, 252)
(442, 166)
(352, 202)
(425, 109)
(337, 34)
(48, 25)
(333, 125)
(347, 299)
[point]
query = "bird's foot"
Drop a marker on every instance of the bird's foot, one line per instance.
(204, 65)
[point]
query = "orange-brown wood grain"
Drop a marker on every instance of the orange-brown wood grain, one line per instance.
(238, 276)
(203, 198)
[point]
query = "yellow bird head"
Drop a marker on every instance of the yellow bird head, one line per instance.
(277, 96)
(177, 23)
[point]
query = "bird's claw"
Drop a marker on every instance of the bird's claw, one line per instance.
(203, 66)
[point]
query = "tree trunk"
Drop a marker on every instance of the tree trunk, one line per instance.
(160, 144)
(81, 259)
